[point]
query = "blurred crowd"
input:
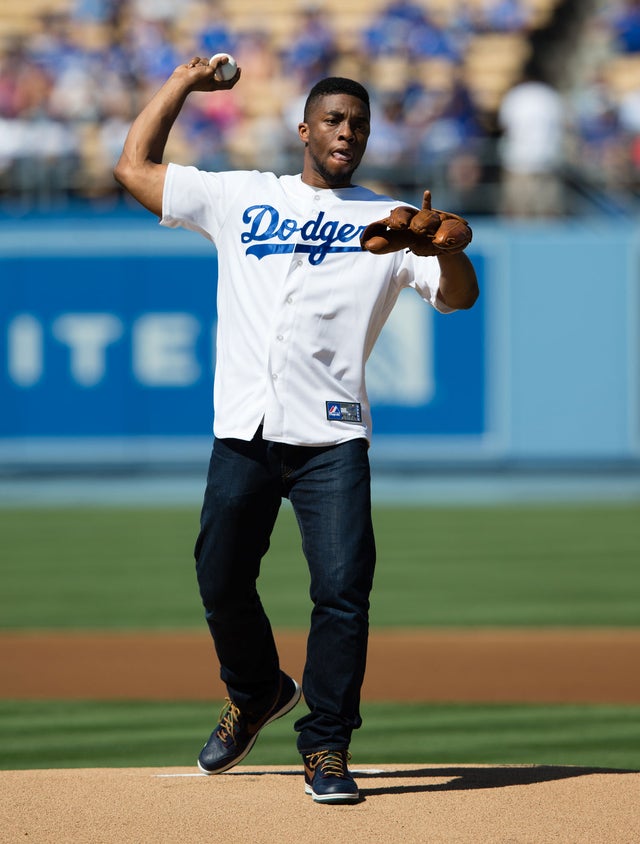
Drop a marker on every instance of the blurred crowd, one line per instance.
(70, 87)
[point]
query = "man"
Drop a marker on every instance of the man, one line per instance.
(532, 117)
(300, 305)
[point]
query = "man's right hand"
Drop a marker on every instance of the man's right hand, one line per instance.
(198, 75)
(140, 169)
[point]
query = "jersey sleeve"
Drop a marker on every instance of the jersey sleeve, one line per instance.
(423, 275)
(199, 200)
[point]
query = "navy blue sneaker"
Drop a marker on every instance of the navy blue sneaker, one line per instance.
(327, 777)
(235, 734)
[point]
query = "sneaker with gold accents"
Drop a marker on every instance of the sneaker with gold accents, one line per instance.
(235, 734)
(327, 777)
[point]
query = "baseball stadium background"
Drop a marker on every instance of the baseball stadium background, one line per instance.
(506, 456)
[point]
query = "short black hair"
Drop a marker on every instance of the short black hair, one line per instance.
(336, 85)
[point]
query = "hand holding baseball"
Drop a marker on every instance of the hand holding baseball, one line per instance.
(220, 72)
(225, 65)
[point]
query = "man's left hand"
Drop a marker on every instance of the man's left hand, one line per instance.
(427, 231)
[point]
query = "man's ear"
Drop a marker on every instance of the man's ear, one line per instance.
(303, 133)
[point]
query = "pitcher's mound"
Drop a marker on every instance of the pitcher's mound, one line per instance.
(408, 804)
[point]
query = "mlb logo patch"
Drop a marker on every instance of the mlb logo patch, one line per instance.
(344, 411)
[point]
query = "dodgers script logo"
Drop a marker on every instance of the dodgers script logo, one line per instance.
(270, 235)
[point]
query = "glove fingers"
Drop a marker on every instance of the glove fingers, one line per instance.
(447, 215)
(401, 217)
(375, 238)
(373, 229)
(425, 232)
(379, 245)
(382, 244)
(425, 222)
(454, 235)
(380, 240)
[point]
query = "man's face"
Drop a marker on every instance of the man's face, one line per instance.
(335, 138)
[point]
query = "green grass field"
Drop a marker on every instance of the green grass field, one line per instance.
(58, 734)
(527, 566)
(132, 569)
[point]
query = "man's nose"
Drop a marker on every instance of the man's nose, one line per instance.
(347, 133)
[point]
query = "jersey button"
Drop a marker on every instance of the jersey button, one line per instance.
(289, 300)
(280, 338)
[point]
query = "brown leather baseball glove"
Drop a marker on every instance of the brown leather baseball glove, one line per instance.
(424, 232)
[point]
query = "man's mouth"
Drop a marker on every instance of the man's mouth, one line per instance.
(343, 155)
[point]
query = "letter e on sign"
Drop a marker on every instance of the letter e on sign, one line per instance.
(164, 353)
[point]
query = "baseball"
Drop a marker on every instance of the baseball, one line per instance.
(226, 71)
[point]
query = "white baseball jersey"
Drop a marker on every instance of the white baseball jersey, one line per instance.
(300, 305)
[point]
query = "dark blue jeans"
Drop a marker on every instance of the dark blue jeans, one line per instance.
(329, 489)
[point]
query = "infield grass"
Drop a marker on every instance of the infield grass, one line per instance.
(104, 568)
(38, 734)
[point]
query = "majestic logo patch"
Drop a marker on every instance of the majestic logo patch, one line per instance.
(268, 234)
(344, 411)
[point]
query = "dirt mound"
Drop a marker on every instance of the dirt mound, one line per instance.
(419, 803)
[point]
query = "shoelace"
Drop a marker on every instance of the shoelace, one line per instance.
(330, 762)
(229, 718)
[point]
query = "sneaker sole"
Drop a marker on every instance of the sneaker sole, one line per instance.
(234, 761)
(292, 702)
(336, 798)
(332, 798)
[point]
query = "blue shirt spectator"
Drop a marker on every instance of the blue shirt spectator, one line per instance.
(312, 50)
(625, 23)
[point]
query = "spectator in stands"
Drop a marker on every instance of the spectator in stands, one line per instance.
(213, 34)
(157, 10)
(451, 126)
(12, 63)
(114, 126)
(503, 16)
(598, 132)
(96, 11)
(390, 29)
(629, 116)
(208, 122)
(428, 41)
(151, 50)
(624, 20)
(255, 55)
(38, 148)
(389, 139)
(61, 77)
(311, 53)
(55, 44)
(531, 117)
(462, 25)
(446, 137)
(629, 111)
